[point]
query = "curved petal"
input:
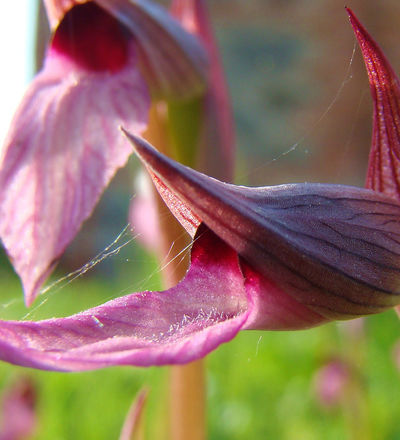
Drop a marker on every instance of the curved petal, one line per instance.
(176, 326)
(333, 248)
(173, 61)
(384, 160)
(63, 148)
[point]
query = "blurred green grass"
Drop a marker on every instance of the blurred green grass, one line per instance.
(260, 385)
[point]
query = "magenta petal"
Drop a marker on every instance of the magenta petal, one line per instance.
(176, 326)
(384, 160)
(63, 148)
(333, 248)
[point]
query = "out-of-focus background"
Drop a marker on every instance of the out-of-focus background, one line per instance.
(303, 113)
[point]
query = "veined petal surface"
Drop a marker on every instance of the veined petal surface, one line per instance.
(333, 248)
(62, 149)
(176, 326)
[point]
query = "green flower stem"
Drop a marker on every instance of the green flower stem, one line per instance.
(187, 401)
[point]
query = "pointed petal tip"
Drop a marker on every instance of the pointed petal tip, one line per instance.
(382, 172)
(142, 148)
(29, 299)
(32, 284)
(148, 154)
(355, 23)
(349, 12)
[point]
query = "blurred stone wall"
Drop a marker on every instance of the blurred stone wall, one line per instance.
(288, 63)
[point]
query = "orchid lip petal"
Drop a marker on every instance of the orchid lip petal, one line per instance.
(334, 248)
(62, 149)
(384, 163)
(208, 307)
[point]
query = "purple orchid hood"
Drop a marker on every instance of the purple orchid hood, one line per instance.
(312, 240)
(64, 145)
(285, 257)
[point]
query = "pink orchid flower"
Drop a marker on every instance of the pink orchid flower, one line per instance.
(105, 61)
(331, 382)
(285, 257)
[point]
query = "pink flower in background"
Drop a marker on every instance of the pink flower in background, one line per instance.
(331, 382)
(105, 60)
(284, 257)
(18, 411)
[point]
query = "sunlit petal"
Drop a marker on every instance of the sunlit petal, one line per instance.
(63, 148)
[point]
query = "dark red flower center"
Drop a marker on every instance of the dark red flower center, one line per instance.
(92, 38)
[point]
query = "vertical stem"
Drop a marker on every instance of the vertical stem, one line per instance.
(187, 382)
(187, 400)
